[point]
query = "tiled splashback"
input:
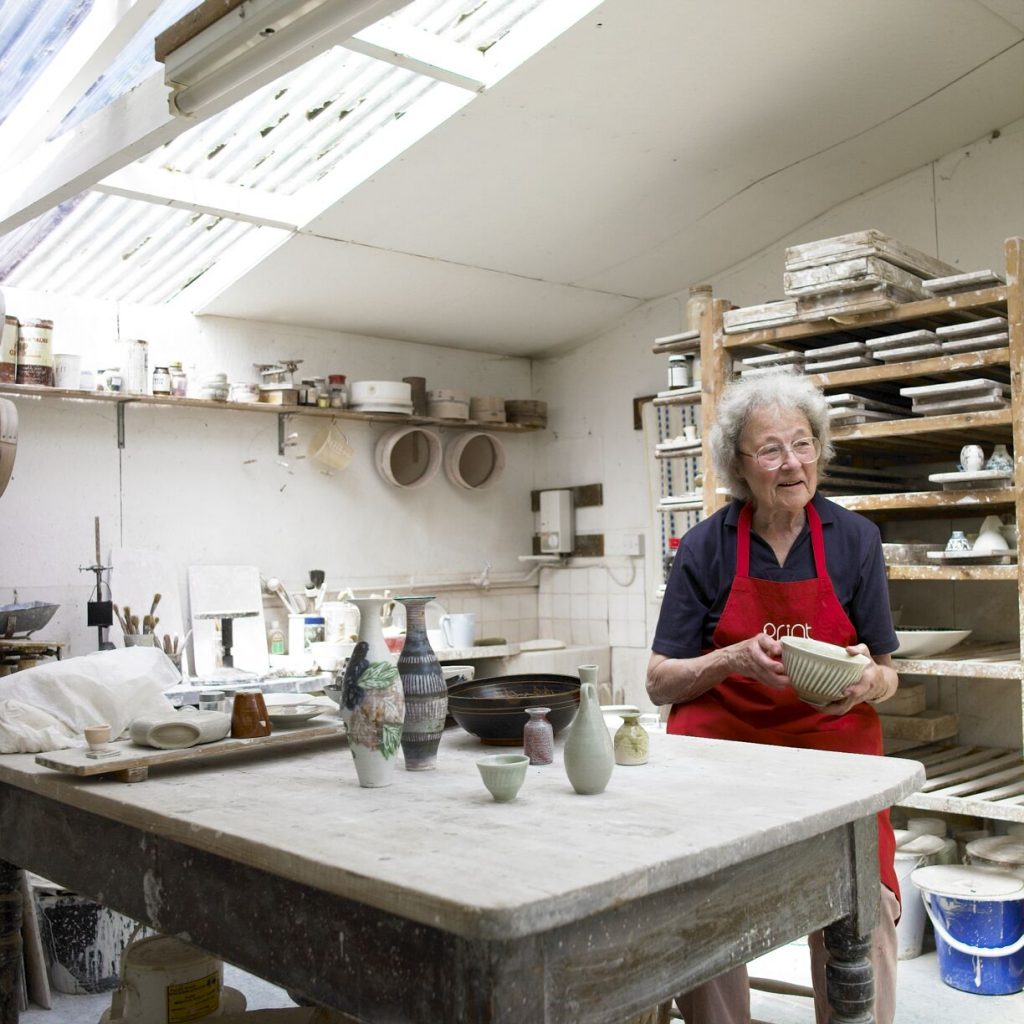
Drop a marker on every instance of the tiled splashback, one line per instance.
(587, 604)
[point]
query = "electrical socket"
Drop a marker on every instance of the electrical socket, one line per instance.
(630, 544)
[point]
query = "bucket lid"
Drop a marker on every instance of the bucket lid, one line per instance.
(920, 845)
(967, 882)
(1008, 850)
(167, 953)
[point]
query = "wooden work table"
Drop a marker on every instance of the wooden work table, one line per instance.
(429, 902)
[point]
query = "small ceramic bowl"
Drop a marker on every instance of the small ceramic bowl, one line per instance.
(503, 774)
(819, 671)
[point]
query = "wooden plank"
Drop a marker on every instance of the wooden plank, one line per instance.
(961, 771)
(844, 275)
(869, 242)
(951, 500)
(36, 977)
(583, 496)
(937, 365)
(927, 726)
(785, 335)
(190, 25)
(967, 661)
(909, 699)
(75, 762)
(924, 425)
(963, 573)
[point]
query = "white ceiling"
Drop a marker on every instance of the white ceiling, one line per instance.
(651, 145)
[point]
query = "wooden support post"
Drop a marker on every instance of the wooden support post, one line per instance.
(10, 943)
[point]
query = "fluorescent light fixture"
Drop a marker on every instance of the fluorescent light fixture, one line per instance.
(211, 59)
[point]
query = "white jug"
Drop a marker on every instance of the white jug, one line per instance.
(459, 630)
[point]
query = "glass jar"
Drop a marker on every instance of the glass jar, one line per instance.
(338, 390)
(161, 380)
(179, 380)
(678, 371)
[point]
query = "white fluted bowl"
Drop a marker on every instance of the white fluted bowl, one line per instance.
(819, 671)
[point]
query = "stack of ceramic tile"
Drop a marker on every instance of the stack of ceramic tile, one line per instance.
(767, 314)
(958, 396)
(897, 348)
(857, 273)
(848, 355)
(954, 283)
(847, 410)
(753, 366)
(974, 335)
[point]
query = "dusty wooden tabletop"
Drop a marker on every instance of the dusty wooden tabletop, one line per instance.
(435, 848)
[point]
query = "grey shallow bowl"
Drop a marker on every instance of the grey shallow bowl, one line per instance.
(24, 619)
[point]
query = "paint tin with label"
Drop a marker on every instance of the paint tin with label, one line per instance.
(678, 371)
(9, 351)
(35, 353)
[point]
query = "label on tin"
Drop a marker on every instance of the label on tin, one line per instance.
(9, 351)
(193, 1000)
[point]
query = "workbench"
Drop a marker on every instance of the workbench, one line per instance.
(428, 902)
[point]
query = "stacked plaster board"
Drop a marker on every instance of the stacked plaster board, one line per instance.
(857, 273)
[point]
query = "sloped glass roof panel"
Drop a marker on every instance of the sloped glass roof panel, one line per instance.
(283, 138)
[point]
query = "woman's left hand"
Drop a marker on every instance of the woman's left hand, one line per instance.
(878, 682)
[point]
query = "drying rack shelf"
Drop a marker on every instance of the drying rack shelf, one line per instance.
(948, 502)
(121, 399)
(984, 782)
(968, 661)
(954, 573)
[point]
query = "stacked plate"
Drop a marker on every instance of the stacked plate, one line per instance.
(448, 404)
(393, 396)
(974, 335)
(958, 396)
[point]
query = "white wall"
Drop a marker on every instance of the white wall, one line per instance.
(959, 208)
(208, 487)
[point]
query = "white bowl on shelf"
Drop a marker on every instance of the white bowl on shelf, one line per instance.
(820, 672)
(925, 643)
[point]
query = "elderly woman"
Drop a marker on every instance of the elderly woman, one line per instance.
(778, 560)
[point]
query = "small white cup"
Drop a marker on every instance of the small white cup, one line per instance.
(67, 370)
(459, 630)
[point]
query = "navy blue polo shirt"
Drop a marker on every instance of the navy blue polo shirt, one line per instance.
(705, 564)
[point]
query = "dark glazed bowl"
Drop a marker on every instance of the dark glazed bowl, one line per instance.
(495, 709)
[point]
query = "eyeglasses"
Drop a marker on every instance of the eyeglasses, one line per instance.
(771, 456)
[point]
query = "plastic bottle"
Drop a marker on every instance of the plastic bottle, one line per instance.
(276, 638)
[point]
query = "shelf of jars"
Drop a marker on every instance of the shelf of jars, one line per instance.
(982, 782)
(122, 399)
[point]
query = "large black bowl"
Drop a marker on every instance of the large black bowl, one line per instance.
(494, 709)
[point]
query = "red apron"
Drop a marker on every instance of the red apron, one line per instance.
(739, 708)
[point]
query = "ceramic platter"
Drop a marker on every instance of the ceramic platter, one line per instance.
(924, 643)
(400, 408)
(973, 557)
(288, 714)
(982, 478)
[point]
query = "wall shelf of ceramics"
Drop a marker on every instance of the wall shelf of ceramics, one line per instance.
(122, 400)
(920, 363)
(678, 447)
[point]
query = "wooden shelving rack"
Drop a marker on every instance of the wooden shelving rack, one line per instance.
(970, 780)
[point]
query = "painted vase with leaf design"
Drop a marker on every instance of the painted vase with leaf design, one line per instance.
(632, 744)
(1000, 458)
(372, 701)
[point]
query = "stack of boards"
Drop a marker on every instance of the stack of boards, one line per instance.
(958, 396)
(861, 272)
(849, 410)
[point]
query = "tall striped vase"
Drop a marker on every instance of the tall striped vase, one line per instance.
(426, 693)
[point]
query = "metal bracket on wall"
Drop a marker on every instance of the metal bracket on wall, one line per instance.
(120, 424)
(282, 423)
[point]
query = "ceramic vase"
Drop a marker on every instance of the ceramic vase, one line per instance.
(990, 537)
(372, 702)
(538, 737)
(1000, 458)
(632, 744)
(589, 758)
(972, 458)
(426, 693)
(587, 673)
(957, 542)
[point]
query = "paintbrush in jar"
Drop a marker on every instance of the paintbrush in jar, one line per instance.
(120, 619)
(152, 607)
(134, 620)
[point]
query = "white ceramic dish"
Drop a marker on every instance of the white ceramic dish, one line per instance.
(391, 392)
(820, 672)
(289, 713)
(924, 643)
(398, 408)
(288, 700)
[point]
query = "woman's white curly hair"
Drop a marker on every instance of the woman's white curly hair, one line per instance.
(776, 389)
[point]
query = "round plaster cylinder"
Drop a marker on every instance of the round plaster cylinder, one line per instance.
(409, 456)
(474, 461)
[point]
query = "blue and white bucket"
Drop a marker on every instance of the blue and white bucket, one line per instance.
(978, 916)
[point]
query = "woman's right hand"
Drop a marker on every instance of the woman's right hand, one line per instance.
(760, 658)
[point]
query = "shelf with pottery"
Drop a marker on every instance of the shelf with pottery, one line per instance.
(679, 396)
(121, 400)
(911, 440)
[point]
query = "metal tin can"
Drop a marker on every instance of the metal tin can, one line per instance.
(136, 379)
(35, 354)
(9, 351)
(161, 380)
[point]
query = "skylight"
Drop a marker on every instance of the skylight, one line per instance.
(238, 184)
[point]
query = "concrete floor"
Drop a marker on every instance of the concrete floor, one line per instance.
(922, 997)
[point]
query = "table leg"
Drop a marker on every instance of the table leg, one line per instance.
(10, 942)
(849, 974)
